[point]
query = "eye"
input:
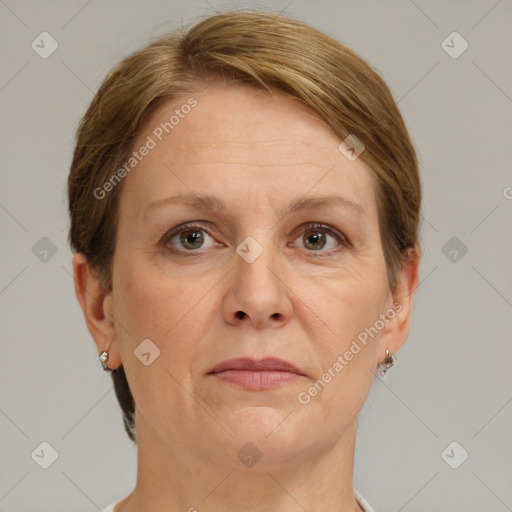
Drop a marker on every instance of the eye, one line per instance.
(317, 237)
(187, 238)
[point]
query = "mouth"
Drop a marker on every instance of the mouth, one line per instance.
(255, 374)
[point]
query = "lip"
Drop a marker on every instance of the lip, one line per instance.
(257, 374)
(266, 364)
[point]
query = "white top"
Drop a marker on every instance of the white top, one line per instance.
(110, 508)
(362, 502)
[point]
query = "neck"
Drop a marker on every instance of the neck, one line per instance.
(171, 479)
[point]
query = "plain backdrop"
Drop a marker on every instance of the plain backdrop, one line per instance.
(452, 381)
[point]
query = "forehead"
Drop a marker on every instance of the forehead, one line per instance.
(232, 115)
(238, 135)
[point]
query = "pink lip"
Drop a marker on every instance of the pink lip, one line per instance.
(265, 364)
(257, 374)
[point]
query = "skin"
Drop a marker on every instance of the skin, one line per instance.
(258, 153)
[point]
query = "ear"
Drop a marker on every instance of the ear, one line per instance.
(396, 332)
(97, 308)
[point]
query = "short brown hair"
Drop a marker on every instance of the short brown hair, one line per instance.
(263, 50)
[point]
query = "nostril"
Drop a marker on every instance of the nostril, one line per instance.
(240, 314)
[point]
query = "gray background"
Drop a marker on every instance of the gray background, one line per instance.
(452, 381)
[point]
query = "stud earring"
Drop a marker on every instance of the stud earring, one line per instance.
(104, 358)
(388, 362)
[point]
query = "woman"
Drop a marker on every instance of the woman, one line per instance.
(244, 201)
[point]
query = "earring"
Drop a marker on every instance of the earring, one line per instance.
(388, 362)
(104, 358)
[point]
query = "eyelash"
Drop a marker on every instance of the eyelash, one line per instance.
(169, 235)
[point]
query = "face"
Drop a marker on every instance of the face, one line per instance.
(273, 251)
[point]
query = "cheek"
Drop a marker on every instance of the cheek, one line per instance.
(345, 347)
(162, 311)
(344, 360)
(360, 306)
(171, 312)
(147, 304)
(347, 304)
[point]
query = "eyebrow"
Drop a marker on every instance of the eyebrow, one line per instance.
(215, 204)
(312, 203)
(205, 202)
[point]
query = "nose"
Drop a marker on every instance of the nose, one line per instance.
(257, 292)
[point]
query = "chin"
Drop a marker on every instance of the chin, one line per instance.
(272, 431)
